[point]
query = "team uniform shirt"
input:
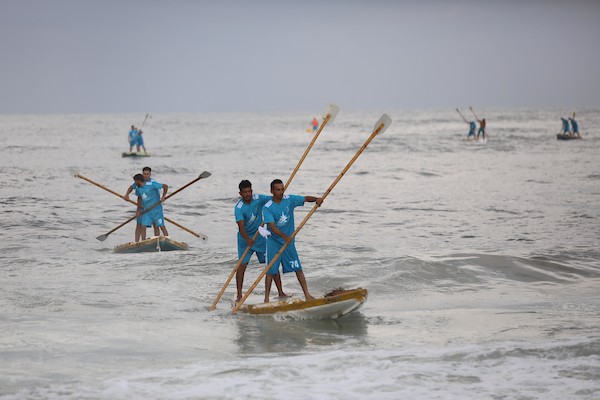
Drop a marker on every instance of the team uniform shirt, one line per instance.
(472, 127)
(282, 215)
(575, 126)
(133, 135)
(133, 187)
(150, 194)
(251, 214)
(565, 125)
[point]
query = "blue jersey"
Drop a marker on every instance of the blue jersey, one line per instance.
(150, 193)
(575, 125)
(132, 134)
(251, 213)
(472, 127)
(282, 215)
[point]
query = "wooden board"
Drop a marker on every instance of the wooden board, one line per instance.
(155, 243)
(333, 305)
(560, 136)
(135, 154)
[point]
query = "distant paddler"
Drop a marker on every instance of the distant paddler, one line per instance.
(136, 139)
(248, 214)
(481, 125)
(315, 124)
(149, 194)
(575, 126)
(471, 124)
(565, 126)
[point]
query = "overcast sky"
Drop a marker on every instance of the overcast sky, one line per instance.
(104, 56)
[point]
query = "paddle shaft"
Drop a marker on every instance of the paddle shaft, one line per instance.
(133, 202)
(306, 218)
(145, 210)
(471, 108)
(287, 184)
(462, 116)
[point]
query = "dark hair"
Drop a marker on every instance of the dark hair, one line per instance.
(147, 169)
(275, 182)
(138, 177)
(244, 184)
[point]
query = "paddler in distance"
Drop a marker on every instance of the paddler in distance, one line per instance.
(148, 195)
(147, 173)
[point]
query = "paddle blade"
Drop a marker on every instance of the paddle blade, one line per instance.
(205, 174)
(102, 238)
(332, 110)
(383, 123)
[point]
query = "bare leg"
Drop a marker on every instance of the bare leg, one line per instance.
(279, 285)
(239, 280)
(156, 230)
(268, 280)
(164, 230)
(138, 232)
(302, 280)
(143, 232)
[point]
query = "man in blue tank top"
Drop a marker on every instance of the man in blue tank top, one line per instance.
(133, 134)
(248, 216)
(565, 126)
(278, 216)
(472, 127)
(149, 194)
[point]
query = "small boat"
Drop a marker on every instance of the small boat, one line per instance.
(155, 243)
(334, 304)
(135, 154)
(561, 136)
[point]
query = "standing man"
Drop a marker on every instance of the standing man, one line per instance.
(147, 174)
(133, 134)
(481, 129)
(315, 124)
(575, 126)
(149, 194)
(279, 218)
(565, 127)
(248, 216)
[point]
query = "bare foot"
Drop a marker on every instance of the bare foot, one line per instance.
(266, 299)
(309, 297)
(283, 295)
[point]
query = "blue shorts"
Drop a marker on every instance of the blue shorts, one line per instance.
(258, 247)
(139, 141)
(471, 133)
(289, 260)
(154, 216)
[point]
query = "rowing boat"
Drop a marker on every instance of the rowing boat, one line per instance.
(333, 305)
(135, 154)
(155, 243)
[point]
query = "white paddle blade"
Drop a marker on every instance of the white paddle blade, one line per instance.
(332, 110)
(385, 120)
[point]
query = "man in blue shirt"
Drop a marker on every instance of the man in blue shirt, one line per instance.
(133, 134)
(575, 126)
(278, 215)
(148, 194)
(248, 216)
(472, 127)
(147, 173)
(565, 126)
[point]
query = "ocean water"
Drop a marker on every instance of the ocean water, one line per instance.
(482, 260)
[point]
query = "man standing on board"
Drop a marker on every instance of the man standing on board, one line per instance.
(147, 173)
(278, 215)
(149, 194)
(575, 126)
(133, 134)
(248, 216)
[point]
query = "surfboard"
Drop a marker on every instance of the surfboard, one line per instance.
(155, 243)
(135, 154)
(332, 305)
(561, 136)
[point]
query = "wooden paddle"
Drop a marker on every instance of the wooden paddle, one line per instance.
(380, 126)
(203, 175)
(473, 112)
(463, 117)
(330, 113)
(198, 235)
